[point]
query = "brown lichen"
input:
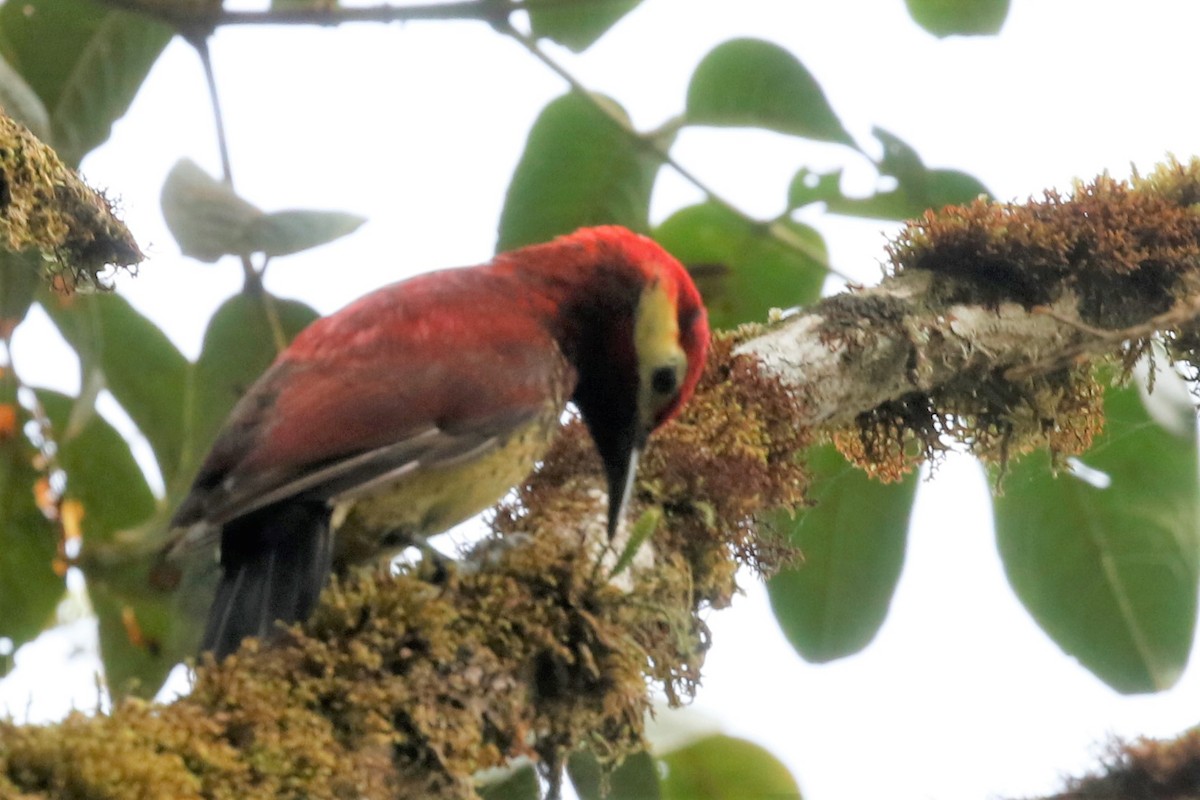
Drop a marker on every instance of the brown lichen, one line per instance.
(730, 456)
(1126, 253)
(1144, 769)
(1121, 247)
(993, 419)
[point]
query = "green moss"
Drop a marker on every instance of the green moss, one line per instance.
(44, 205)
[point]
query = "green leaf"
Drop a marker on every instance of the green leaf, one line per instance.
(1106, 559)
(853, 540)
(145, 372)
(285, 232)
(636, 778)
(753, 83)
(917, 186)
(20, 277)
(643, 528)
(924, 187)
(579, 168)
(206, 217)
(725, 768)
(741, 269)
(809, 187)
(29, 587)
(209, 220)
(586, 774)
(578, 24)
(21, 103)
(134, 621)
(522, 784)
(102, 475)
(85, 61)
(111, 492)
(963, 17)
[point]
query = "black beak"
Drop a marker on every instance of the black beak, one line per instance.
(620, 486)
(612, 420)
(620, 456)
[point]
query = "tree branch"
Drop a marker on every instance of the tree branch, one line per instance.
(861, 350)
(408, 685)
(197, 16)
(989, 326)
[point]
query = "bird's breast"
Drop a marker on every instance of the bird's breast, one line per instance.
(434, 498)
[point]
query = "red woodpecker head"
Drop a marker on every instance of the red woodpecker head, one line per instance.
(629, 319)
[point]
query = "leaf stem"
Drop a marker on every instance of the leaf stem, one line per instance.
(199, 41)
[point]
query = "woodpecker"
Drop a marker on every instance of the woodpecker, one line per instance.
(420, 404)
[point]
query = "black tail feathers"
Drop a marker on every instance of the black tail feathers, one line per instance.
(274, 563)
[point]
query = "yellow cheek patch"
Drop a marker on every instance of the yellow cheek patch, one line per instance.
(657, 328)
(656, 339)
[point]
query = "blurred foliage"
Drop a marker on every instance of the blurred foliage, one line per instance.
(1110, 573)
(752, 83)
(1106, 555)
(852, 539)
(209, 221)
(580, 167)
(959, 17)
(31, 575)
(723, 766)
(577, 24)
(83, 60)
(742, 268)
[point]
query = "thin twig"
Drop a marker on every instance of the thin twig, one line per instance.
(201, 45)
(1184, 313)
(200, 42)
(649, 143)
(252, 277)
(186, 18)
(495, 12)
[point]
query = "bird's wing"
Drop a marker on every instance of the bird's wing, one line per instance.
(338, 411)
(359, 472)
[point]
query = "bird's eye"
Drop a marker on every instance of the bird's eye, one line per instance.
(663, 380)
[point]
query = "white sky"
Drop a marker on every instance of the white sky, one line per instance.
(418, 127)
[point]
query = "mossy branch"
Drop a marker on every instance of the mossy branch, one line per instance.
(408, 685)
(46, 206)
(993, 317)
(1143, 768)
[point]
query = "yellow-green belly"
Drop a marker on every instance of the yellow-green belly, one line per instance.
(433, 499)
